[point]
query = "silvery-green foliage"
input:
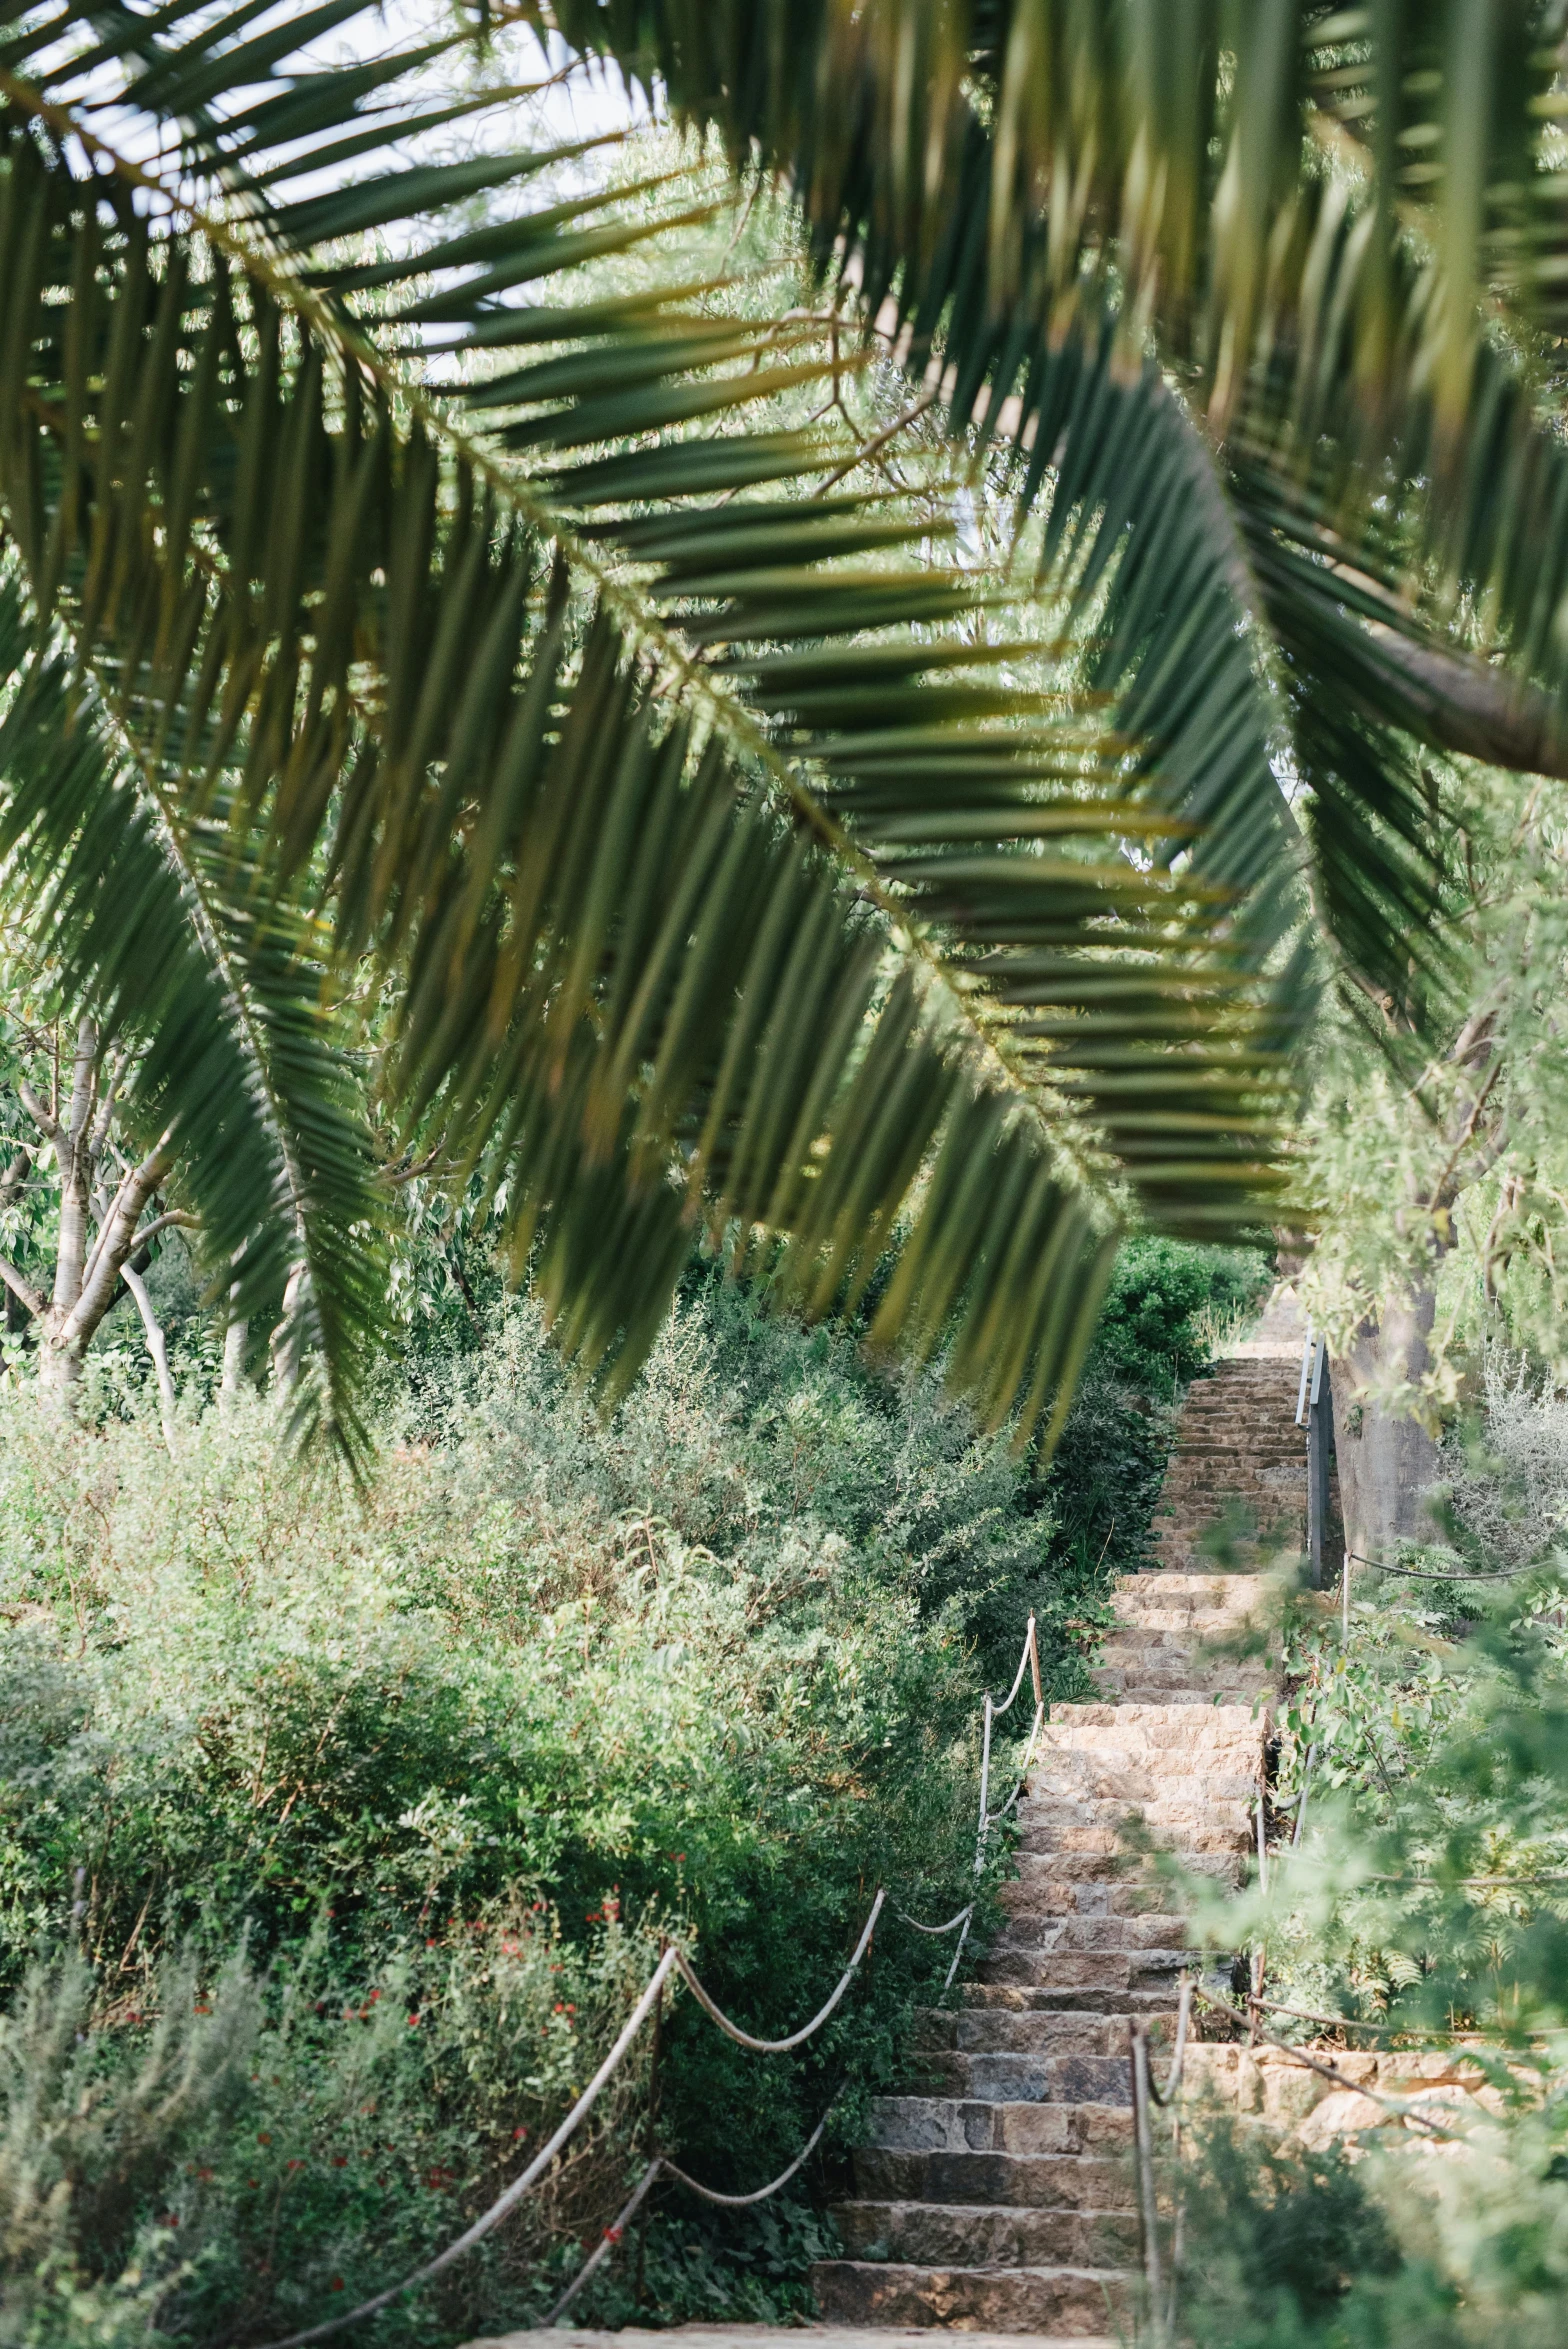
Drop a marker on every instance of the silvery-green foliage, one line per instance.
(1509, 1482)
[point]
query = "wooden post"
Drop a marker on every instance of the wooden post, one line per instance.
(1143, 2143)
(1320, 1437)
(653, 2132)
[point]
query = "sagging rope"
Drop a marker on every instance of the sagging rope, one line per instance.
(965, 1917)
(514, 2193)
(1431, 1574)
(1401, 2107)
(614, 2232)
(674, 1960)
(798, 2038)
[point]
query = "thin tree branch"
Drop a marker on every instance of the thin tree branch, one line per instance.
(878, 440)
(15, 1176)
(116, 1242)
(157, 1347)
(46, 1124)
(21, 1289)
(173, 1219)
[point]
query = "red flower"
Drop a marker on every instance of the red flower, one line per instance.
(413, 2022)
(296, 2165)
(340, 2161)
(518, 2133)
(336, 2284)
(262, 2138)
(202, 2008)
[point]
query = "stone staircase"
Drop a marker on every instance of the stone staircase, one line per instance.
(1239, 1452)
(998, 2198)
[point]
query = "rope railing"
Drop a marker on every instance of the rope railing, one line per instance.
(715, 2014)
(662, 2166)
(675, 1961)
(1160, 2286)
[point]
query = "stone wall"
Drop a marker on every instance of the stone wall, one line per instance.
(1274, 2087)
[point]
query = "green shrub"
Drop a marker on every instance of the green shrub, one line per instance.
(1273, 2241)
(712, 1670)
(1167, 1303)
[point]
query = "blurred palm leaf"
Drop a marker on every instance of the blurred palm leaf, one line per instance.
(723, 868)
(1265, 305)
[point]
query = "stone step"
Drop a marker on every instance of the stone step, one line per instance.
(942, 2124)
(1184, 1642)
(1179, 1684)
(941, 2234)
(1053, 1894)
(1139, 1692)
(1086, 1998)
(1062, 2300)
(989, 2030)
(1033, 2181)
(1152, 1611)
(1155, 1929)
(1168, 1739)
(1061, 1821)
(1097, 1714)
(1195, 1842)
(1212, 1584)
(1083, 1970)
(1006, 2078)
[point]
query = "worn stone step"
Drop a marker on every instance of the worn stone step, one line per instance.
(1036, 2181)
(1052, 1893)
(1126, 1781)
(1095, 1713)
(1082, 1998)
(944, 2124)
(941, 2234)
(1159, 1735)
(1180, 1686)
(1064, 2300)
(1214, 1584)
(1082, 1970)
(1156, 1929)
(1027, 2079)
(985, 2030)
(1058, 1820)
(1137, 1691)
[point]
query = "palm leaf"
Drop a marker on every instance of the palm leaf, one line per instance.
(234, 1051)
(718, 882)
(1346, 235)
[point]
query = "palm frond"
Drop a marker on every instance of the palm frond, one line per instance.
(233, 1049)
(1344, 234)
(723, 873)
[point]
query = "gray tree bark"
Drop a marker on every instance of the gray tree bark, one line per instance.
(1387, 1463)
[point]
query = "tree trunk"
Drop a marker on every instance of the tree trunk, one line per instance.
(59, 1358)
(234, 1343)
(1387, 1462)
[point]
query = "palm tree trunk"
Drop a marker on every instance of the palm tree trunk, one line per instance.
(1388, 1463)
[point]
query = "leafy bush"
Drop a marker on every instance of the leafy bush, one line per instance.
(1289, 2250)
(1508, 1478)
(710, 1671)
(1167, 1304)
(226, 2152)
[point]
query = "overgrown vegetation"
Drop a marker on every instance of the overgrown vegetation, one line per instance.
(334, 1832)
